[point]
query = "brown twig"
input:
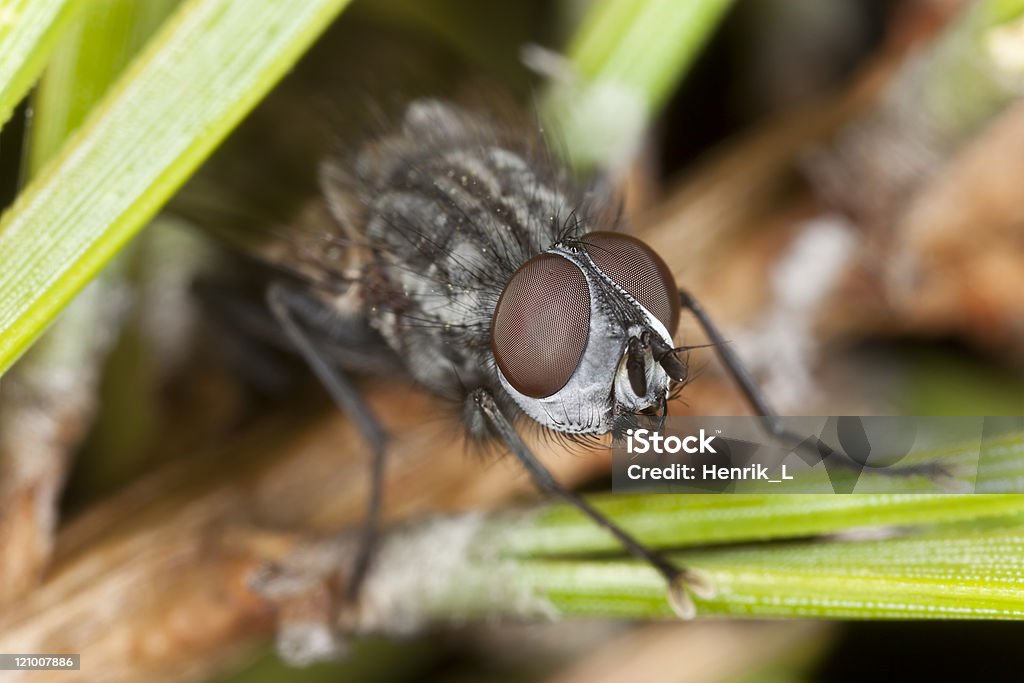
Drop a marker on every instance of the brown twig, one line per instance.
(154, 583)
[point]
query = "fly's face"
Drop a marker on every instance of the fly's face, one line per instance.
(582, 333)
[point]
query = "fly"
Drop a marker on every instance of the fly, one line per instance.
(460, 253)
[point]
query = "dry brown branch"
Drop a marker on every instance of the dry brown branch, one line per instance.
(153, 584)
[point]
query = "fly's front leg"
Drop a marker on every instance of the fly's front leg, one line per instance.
(681, 581)
(293, 311)
(809, 445)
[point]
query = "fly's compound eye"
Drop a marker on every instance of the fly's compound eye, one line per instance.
(635, 267)
(541, 325)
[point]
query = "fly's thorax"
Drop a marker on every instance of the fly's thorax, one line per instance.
(455, 215)
(449, 206)
(571, 323)
(438, 328)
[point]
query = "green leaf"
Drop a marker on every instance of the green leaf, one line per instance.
(645, 44)
(839, 556)
(29, 30)
(678, 520)
(203, 72)
(89, 57)
(872, 556)
(622, 65)
(944, 575)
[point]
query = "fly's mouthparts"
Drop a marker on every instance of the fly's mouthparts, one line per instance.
(666, 356)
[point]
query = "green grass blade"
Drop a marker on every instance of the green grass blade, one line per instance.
(969, 566)
(946, 575)
(685, 520)
(646, 44)
(200, 75)
(954, 556)
(89, 57)
(29, 30)
(624, 62)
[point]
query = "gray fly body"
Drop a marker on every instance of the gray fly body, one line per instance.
(457, 250)
(444, 213)
(445, 210)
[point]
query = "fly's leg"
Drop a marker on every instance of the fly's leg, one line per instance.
(680, 581)
(291, 309)
(812, 446)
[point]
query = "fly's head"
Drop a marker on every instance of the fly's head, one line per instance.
(582, 334)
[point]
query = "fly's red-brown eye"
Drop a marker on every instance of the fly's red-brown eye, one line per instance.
(635, 267)
(541, 325)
